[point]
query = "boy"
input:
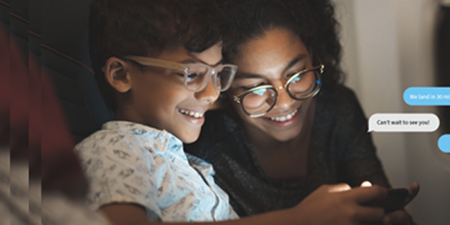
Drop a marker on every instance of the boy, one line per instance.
(158, 103)
(158, 65)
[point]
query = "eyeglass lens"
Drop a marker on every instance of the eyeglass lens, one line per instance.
(302, 85)
(197, 77)
(224, 78)
(261, 100)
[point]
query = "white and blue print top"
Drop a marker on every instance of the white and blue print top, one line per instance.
(127, 162)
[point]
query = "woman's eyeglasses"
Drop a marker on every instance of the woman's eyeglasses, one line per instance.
(302, 85)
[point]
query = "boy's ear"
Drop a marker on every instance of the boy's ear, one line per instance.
(117, 74)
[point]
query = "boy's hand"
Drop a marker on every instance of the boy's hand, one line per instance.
(338, 204)
(401, 216)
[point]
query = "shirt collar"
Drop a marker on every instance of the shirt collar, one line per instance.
(138, 129)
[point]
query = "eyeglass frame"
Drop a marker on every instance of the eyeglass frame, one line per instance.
(211, 71)
(321, 67)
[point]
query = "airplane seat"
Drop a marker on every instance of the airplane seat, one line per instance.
(55, 34)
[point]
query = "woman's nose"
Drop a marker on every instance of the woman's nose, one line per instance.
(284, 100)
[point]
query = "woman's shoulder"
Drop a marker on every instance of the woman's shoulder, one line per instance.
(340, 118)
(337, 93)
(338, 113)
(338, 100)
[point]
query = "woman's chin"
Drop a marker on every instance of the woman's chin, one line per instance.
(285, 136)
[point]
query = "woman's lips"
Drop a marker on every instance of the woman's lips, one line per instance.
(284, 118)
(284, 121)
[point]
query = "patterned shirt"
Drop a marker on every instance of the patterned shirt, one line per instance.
(127, 162)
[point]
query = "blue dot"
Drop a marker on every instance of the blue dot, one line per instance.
(444, 143)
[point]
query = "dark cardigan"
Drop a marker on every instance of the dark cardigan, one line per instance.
(341, 150)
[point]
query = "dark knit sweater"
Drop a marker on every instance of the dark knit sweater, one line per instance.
(341, 150)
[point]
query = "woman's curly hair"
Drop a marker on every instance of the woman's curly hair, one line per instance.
(312, 20)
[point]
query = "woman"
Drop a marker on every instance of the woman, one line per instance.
(288, 125)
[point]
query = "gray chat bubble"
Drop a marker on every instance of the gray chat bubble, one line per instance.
(403, 122)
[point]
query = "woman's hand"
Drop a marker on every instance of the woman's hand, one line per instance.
(401, 216)
(339, 204)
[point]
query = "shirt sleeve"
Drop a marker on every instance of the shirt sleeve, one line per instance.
(118, 171)
(358, 160)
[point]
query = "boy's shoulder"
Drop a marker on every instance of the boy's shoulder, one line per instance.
(130, 136)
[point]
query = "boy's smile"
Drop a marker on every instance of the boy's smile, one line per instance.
(157, 97)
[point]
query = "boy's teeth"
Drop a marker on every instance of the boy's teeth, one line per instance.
(191, 113)
(284, 118)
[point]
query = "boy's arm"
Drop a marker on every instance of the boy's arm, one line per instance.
(323, 206)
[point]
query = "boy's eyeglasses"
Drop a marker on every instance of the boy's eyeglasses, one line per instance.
(196, 75)
(302, 85)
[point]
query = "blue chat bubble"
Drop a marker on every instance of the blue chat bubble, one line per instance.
(444, 143)
(427, 96)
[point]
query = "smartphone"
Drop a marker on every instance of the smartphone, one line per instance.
(394, 201)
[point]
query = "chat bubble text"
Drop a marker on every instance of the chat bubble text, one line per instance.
(427, 96)
(403, 122)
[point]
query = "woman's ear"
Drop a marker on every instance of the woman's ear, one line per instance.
(117, 74)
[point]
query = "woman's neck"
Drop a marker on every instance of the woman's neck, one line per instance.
(282, 160)
(263, 143)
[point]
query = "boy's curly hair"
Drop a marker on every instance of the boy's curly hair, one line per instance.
(146, 28)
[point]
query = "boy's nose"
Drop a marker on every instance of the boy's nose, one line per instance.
(208, 94)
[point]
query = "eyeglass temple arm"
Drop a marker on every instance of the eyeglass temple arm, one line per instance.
(156, 62)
